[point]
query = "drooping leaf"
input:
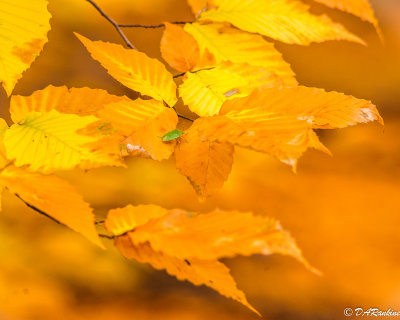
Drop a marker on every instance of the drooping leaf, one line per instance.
(80, 101)
(133, 69)
(206, 164)
(148, 139)
(130, 115)
(179, 48)
(54, 197)
(188, 245)
(23, 33)
(285, 137)
(205, 91)
(323, 110)
(285, 20)
(211, 273)
(49, 141)
(229, 44)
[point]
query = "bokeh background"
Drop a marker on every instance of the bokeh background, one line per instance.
(343, 210)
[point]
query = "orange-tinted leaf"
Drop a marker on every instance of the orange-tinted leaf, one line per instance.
(179, 48)
(320, 108)
(206, 164)
(212, 273)
(199, 6)
(134, 69)
(54, 197)
(147, 139)
(81, 101)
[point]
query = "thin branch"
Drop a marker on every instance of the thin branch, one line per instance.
(116, 26)
(100, 222)
(161, 25)
(55, 220)
(38, 210)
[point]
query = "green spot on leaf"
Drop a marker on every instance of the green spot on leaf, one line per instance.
(176, 133)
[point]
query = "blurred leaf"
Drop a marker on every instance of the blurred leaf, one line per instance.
(24, 27)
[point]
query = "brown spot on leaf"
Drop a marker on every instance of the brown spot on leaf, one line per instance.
(26, 53)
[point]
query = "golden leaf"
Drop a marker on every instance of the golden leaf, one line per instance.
(229, 44)
(147, 139)
(80, 101)
(324, 110)
(54, 197)
(179, 48)
(206, 164)
(49, 141)
(24, 27)
(134, 69)
(285, 20)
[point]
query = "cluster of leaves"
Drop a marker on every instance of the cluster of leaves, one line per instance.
(234, 80)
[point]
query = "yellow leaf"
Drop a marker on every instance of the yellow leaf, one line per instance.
(323, 110)
(212, 273)
(205, 91)
(129, 115)
(179, 48)
(24, 27)
(80, 101)
(49, 141)
(360, 8)
(285, 20)
(206, 164)
(147, 139)
(134, 69)
(52, 196)
(229, 44)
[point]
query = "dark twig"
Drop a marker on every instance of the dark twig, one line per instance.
(38, 210)
(116, 26)
(179, 75)
(161, 25)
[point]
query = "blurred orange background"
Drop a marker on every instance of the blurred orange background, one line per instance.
(343, 210)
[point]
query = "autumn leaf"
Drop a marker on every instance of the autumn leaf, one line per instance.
(205, 91)
(54, 197)
(130, 115)
(206, 164)
(284, 137)
(179, 48)
(49, 141)
(229, 44)
(188, 245)
(3, 157)
(359, 8)
(24, 27)
(211, 273)
(147, 139)
(284, 20)
(133, 69)
(80, 101)
(323, 110)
